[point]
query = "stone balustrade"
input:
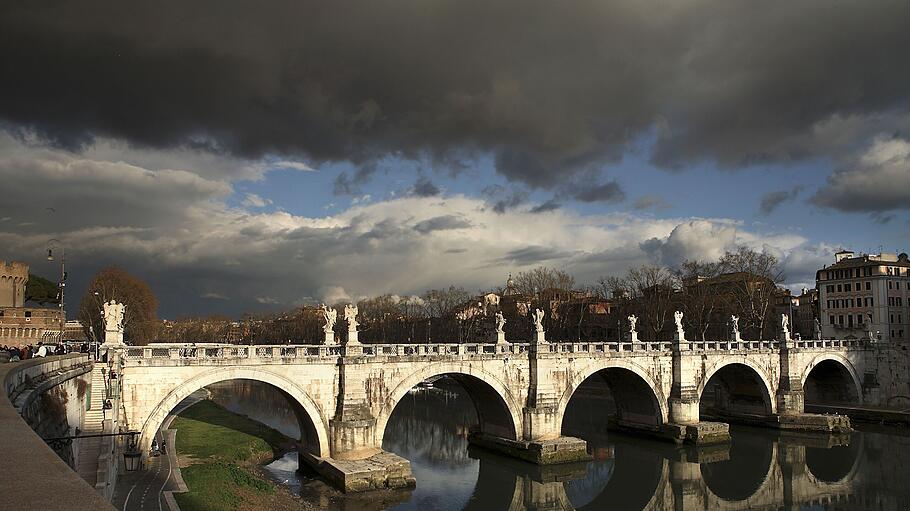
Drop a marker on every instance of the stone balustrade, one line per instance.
(302, 352)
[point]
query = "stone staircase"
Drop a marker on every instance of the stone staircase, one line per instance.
(90, 448)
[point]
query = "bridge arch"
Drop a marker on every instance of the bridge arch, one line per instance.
(497, 408)
(310, 416)
(656, 397)
(738, 371)
(747, 479)
(827, 467)
(834, 369)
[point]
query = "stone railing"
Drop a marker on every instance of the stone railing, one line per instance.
(202, 353)
(34, 476)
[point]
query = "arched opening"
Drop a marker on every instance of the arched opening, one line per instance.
(269, 405)
(430, 425)
(632, 477)
(830, 383)
(832, 464)
(312, 434)
(614, 397)
(744, 472)
(735, 390)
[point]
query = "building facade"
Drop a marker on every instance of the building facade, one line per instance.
(865, 296)
(21, 325)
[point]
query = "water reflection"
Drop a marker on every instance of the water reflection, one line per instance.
(760, 468)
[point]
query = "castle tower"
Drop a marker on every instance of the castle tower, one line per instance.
(13, 277)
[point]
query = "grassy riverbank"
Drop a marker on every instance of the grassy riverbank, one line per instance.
(220, 453)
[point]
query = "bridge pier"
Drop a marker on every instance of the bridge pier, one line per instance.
(542, 441)
(685, 424)
(357, 461)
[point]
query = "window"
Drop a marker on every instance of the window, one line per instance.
(850, 320)
(890, 283)
(28, 314)
(831, 319)
(840, 319)
(859, 319)
(892, 318)
(868, 286)
(830, 287)
(847, 287)
(839, 288)
(871, 302)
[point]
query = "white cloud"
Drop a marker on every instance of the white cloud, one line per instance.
(251, 200)
(175, 229)
(876, 182)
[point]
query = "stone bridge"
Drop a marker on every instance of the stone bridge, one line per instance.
(344, 395)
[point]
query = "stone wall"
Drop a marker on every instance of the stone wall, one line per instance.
(42, 480)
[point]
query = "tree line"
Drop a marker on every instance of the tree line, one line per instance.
(743, 282)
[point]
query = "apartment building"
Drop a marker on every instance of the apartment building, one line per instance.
(865, 295)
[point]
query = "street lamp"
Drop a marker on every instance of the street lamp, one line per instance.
(62, 285)
(132, 457)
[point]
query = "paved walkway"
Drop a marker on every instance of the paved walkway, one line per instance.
(144, 490)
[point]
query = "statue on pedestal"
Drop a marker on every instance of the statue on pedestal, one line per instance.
(734, 323)
(537, 316)
(500, 324)
(331, 317)
(350, 315)
(113, 322)
(785, 326)
(680, 332)
(633, 334)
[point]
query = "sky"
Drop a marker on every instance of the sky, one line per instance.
(246, 158)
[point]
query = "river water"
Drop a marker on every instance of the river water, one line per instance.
(759, 469)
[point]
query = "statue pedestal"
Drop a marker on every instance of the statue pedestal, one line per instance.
(330, 339)
(352, 338)
(501, 338)
(633, 336)
(540, 337)
(735, 337)
(680, 336)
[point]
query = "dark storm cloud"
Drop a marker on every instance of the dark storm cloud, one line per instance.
(550, 205)
(442, 223)
(346, 184)
(424, 188)
(773, 200)
(547, 88)
(606, 192)
(534, 254)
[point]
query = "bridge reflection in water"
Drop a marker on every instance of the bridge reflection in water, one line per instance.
(760, 469)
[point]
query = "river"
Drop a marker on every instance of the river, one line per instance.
(760, 469)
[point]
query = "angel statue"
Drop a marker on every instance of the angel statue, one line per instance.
(500, 322)
(785, 324)
(113, 316)
(331, 316)
(734, 322)
(537, 316)
(350, 315)
(678, 316)
(633, 320)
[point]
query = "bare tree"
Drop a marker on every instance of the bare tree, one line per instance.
(754, 277)
(652, 289)
(697, 300)
(531, 282)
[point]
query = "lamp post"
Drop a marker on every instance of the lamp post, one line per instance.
(62, 285)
